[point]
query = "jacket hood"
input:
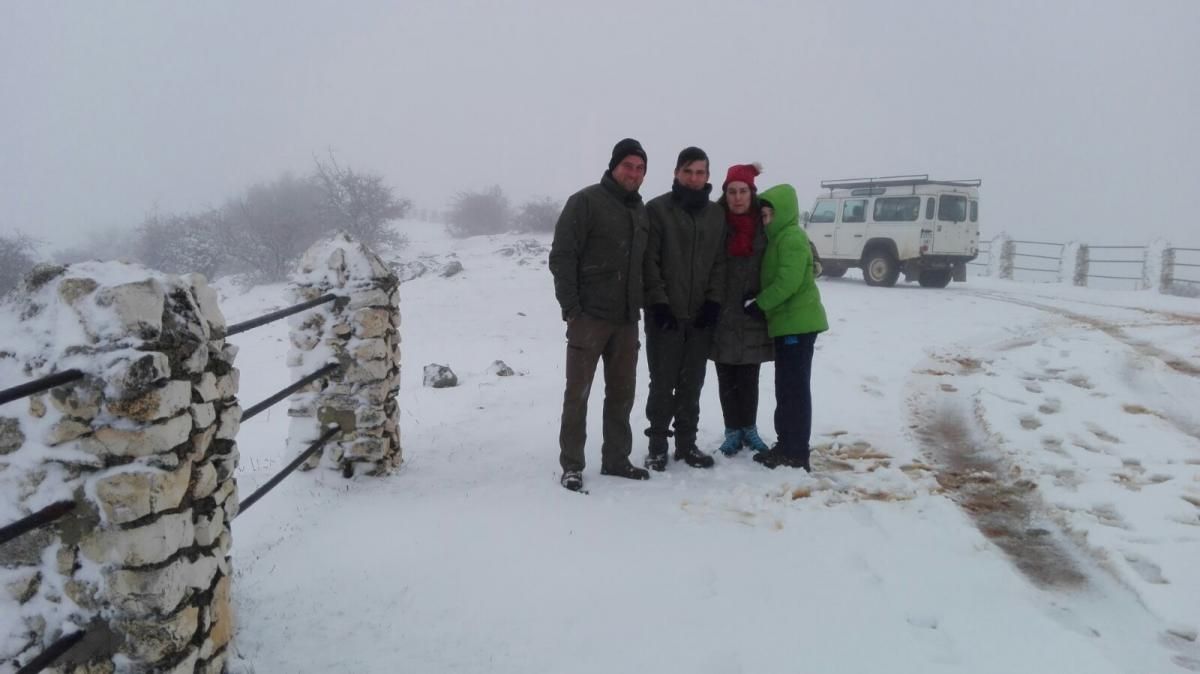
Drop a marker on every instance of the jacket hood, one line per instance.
(782, 198)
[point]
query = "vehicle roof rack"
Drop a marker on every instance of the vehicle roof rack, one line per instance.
(896, 181)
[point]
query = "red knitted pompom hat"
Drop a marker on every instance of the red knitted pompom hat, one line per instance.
(742, 173)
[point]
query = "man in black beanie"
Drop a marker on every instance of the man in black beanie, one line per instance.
(596, 260)
(684, 272)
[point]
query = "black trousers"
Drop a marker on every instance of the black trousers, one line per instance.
(677, 360)
(793, 392)
(738, 388)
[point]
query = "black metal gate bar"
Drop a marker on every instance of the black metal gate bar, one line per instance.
(48, 656)
(270, 484)
(38, 385)
(250, 412)
(35, 520)
(276, 315)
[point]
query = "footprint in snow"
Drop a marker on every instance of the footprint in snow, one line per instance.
(1146, 569)
(1050, 406)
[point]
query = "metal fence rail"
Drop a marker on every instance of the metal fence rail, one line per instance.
(1057, 258)
(1175, 278)
(1039, 243)
(1141, 261)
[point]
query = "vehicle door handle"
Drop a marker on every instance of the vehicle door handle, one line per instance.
(858, 236)
(828, 236)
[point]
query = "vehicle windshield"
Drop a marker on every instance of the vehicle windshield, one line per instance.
(824, 211)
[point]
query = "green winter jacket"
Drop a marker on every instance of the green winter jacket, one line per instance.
(597, 254)
(789, 295)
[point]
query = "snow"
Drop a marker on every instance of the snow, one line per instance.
(472, 557)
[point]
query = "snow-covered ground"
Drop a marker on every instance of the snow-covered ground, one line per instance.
(1007, 479)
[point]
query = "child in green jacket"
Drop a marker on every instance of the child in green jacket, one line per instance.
(791, 304)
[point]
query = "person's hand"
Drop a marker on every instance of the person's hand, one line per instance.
(663, 318)
(710, 311)
(751, 308)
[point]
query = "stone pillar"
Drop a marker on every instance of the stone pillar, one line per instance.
(360, 332)
(1160, 258)
(1079, 257)
(1004, 250)
(144, 446)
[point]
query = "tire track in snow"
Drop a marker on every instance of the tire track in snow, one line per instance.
(1004, 506)
(1175, 362)
(978, 475)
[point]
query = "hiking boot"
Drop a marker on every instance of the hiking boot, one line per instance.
(656, 458)
(656, 462)
(772, 458)
(572, 479)
(626, 470)
(733, 442)
(775, 457)
(693, 457)
(752, 440)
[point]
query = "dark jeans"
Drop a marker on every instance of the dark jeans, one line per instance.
(738, 387)
(793, 392)
(678, 360)
(588, 341)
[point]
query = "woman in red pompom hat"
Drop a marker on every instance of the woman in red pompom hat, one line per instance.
(741, 343)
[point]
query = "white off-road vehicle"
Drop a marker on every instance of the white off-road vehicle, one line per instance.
(927, 229)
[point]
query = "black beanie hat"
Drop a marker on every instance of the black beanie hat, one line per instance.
(689, 155)
(623, 149)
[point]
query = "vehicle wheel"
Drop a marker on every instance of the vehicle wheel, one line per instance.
(833, 270)
(934, 278)
(818, 267)
(880, 268)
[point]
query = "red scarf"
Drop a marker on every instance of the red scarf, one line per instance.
(741, 235)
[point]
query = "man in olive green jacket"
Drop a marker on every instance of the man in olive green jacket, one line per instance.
(684, 268)
(791, 304)
(596, 259)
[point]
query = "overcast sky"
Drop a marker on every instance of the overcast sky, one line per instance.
(1080, 116)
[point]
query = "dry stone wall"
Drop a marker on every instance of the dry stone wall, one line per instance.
(144, 446)
(361, 332)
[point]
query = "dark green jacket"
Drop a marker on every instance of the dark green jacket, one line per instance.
(741, 339)
(684, 255)
(789, 295)
(598, 252)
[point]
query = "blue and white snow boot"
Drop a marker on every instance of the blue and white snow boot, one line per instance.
(753, 441)
(733, 442)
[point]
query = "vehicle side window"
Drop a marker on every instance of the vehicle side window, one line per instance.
(974, 211)
(824, 211)
(929, 208)
(952, 208)
(897, 209)
(854, 210)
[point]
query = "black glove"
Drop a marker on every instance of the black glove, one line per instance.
(663, 318)
(709, 312)
(754, 311)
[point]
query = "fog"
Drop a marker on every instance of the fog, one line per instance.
(1079, 116)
